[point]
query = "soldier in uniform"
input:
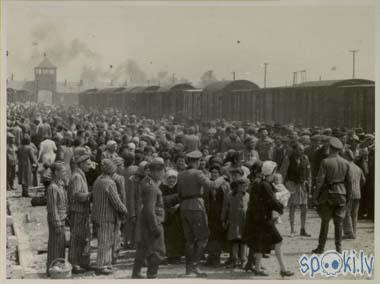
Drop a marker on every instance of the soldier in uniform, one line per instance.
(264, 145)
(151, 246)
(332, 193)
(193, 213)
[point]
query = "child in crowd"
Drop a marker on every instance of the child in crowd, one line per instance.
(233, 217)
(281, 194)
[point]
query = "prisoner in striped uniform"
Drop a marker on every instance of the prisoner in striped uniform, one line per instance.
(79, 206)
(120, 185)
(56, 214)
(107, 205)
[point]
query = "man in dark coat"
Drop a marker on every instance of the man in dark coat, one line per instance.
(264, 145)
(151, 246)
(332, 193)
(215, 199)
(11, 161)
(27, 162)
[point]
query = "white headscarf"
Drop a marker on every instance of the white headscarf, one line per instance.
(268, 167)
(171, 173)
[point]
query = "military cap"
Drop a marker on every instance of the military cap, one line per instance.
(156, 163)
(194, 155)
(336, 143)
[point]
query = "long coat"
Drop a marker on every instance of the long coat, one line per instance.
(260, 232)
(215, 199)
(174, 236)
(152, 217)
(26, 159)
(234, 211)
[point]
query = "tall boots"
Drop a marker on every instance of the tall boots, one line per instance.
(153, 262)
(25, 192)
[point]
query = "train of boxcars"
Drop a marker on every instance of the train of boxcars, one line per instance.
(343, 103)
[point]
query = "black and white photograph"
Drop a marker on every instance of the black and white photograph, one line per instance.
(222, 140)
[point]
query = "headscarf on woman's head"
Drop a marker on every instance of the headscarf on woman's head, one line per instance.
(171, 173)
(268, 167)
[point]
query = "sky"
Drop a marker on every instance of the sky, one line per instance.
(188, 40)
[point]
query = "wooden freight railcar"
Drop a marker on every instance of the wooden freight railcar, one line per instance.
(128, 99)
(218, 100)
(192, 104)
(338, 103)
(172, 98)
(142, 96)
(115, 98)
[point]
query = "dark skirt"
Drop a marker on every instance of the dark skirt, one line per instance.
(174, 236)
(261, 234)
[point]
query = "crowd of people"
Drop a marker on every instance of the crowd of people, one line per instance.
(179, 188)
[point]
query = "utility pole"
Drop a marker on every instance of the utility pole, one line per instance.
(265, 74)
(303, 75)
(294, 78)
(353, 51)
(233, 75)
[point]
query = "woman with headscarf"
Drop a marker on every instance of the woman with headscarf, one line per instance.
(56, 214)
(27, 163)
(264, 235)
(174, 237)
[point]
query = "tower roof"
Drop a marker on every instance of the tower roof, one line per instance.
(46, 63)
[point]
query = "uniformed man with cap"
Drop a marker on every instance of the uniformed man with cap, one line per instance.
(151, 246)
(193, 213)
(332, 193)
